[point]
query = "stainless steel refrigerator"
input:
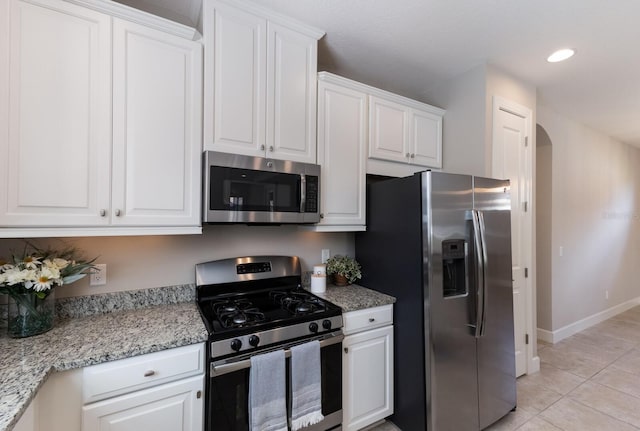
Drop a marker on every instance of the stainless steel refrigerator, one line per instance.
(441, 244)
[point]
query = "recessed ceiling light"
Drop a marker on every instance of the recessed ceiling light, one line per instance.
(560, 55)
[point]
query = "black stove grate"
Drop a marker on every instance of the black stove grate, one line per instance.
(298, 302)
(237, 313)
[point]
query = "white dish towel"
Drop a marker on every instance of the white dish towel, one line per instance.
(267, 384)
(306, 389)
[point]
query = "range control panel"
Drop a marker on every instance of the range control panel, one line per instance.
(253, 268)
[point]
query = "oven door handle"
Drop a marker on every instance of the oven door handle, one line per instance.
(223, 367)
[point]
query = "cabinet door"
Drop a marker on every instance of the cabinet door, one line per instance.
(235, 80)
(341, 153)
(291, 94)
(388, 130)
(368, 377)
(55, 148)
(174, 406)
(426, 139)
(156, 127)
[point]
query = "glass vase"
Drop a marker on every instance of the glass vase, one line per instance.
(30, 315)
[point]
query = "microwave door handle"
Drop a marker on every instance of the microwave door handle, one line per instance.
(303, 192)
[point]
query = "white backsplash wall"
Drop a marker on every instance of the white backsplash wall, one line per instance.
(140, 262)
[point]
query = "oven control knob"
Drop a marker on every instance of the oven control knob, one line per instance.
(313, 327)
(326, 324)
(236, 344)
(254, 340)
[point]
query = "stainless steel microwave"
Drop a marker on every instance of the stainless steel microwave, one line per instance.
(245, 189)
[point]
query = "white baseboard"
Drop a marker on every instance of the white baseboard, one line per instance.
(535, 365)
(582, 324)
(545, 335)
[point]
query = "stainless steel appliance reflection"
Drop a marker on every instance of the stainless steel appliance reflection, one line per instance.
(441, 244)
(252, 305)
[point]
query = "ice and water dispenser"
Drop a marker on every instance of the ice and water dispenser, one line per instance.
(454, 268)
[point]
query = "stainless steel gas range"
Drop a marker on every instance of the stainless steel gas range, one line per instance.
(253, 305)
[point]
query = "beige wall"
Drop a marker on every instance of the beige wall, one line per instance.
(596, 216)
(154, 261)
(464, 122)
(468, 122)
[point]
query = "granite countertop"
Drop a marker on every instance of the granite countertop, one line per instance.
(76, 342)
(354, 297)
(100, 328)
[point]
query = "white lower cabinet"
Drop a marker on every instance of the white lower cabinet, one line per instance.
(162, 391)
(176, 406)
(367, 363)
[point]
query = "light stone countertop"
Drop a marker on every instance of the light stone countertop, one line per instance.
(354, 297)
(77, 342)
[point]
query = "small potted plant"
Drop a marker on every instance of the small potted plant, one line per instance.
(345, 270)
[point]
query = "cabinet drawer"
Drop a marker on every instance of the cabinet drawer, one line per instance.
(119, 377)
(369, 318)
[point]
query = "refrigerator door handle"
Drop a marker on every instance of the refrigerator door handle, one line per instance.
(480, 255)
(485, 270)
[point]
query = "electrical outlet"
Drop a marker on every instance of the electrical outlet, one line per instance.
(98, 276)
(326, 254)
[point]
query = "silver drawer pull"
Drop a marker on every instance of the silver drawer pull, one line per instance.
(149, 373)
(371, 320)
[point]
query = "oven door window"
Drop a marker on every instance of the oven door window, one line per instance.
(228, 398)
(249, 190)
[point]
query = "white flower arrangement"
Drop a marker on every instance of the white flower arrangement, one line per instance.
(40, 271)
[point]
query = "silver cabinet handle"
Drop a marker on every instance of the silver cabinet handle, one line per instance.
(118, 213)
(149, 373)
(413, 155)
(271, 148)
(371, 320)
(346, 350)
(407, 155)
(103, 213)
(262, 147)
(321, 215)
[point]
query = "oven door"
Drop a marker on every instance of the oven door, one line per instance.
(228, 390)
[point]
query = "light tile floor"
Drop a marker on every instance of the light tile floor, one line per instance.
(589, 381)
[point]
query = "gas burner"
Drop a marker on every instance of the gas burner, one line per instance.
(298, 302)
(237, 313)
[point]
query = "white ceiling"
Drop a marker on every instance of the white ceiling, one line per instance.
(408, 46)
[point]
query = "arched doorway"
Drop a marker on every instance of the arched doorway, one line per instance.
(544, 181)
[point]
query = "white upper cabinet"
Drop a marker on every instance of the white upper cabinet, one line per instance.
(342, 143)
(103, 121)
(389, 130)
(235, 80)
(404, 131)
(55, 151)
(156, 127)
(259, 83)
(361, 130)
